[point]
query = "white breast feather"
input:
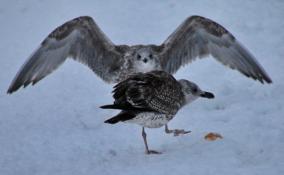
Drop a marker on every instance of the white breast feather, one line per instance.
(150, 119)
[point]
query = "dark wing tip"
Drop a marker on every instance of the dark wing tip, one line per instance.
(267, 79)
(12, 89)
(18, 82)
(15, 85)
(264, 80)
(262, 77)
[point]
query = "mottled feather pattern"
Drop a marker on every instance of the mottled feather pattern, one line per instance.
(152, 99)
(155, 91)
(198, 37)
(211, 26)
(82, 39)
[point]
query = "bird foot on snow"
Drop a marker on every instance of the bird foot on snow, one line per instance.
(152, 152)
(176, 132)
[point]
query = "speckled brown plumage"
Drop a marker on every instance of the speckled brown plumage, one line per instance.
(83, 40)
(152, 99)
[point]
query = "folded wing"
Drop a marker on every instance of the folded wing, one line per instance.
(153, 91)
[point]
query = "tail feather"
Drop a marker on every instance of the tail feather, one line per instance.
(122, 116)
(112, 106)
(116, 106)
(119, 106)
(124, 107)
(112, 120)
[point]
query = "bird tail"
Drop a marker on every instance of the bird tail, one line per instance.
(112, 106)
(112, 120)
(122, 116)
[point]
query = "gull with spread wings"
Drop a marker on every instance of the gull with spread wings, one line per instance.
(82, 40)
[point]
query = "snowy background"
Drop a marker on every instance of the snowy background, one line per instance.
(56, 127)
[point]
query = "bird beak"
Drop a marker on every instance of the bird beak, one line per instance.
(207, 94)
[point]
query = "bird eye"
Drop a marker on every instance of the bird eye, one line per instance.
(194, 90)
(138, 57)
(151, 56)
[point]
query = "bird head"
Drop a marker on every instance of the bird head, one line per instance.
(145, 59)
(191, 91)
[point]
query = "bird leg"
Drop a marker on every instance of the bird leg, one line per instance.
(147, 151)
(176, 132)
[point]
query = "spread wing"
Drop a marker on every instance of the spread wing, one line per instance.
(153, 91)
(80, 39)
(198, 37)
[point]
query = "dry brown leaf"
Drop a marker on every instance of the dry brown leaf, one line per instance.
(212, 136)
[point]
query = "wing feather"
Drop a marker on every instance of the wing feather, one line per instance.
(153, 91)
(80, 39)
(198, 37)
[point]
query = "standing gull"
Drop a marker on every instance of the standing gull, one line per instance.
(151, 100)
(82, 40)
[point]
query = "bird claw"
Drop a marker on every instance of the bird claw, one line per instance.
(152, 152)
(178, 132)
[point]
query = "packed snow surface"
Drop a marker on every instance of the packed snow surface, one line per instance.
(56, 127)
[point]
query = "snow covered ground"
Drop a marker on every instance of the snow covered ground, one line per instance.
(57, 128)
